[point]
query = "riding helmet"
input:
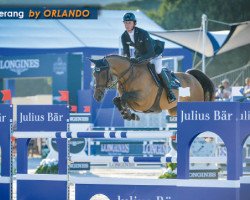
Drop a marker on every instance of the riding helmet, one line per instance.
(129, 17)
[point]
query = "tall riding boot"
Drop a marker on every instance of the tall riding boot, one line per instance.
(166, 78)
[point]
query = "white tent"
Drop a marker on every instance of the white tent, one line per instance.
(215, 42)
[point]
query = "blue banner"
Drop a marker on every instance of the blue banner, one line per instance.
(33, 66)
(129, 148)
(5, 131)
(54, 66)
(49, 13)
(42, 118)
(126, 192)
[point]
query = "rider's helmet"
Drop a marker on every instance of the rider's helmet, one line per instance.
(129, 17)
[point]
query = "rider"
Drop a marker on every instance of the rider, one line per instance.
(145, 48)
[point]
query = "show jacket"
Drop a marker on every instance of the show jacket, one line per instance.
(145, 46)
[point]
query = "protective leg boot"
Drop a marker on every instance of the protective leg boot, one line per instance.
(166, 77)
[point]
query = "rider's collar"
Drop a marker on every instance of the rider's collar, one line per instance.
(132, 32)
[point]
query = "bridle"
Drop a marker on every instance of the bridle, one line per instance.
(110, 83)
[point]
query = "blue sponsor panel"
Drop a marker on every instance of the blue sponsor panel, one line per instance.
(129, 148)
(38, 118)
(245, 188)
(154, 192)
(124, 189)
(80, 118)
(57, 66)
(126, 192)
(85, 98)
(42, 118)
(245, 191)
(23, 66)
(208, 193)
(220, 118)
(5, 133)
(244, 133)
(4, 191)
(41, 190)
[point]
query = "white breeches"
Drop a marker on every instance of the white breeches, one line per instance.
(157, 61)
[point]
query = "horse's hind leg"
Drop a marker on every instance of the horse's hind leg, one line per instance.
(173, 111)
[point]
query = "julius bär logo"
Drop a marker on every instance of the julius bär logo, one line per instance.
(99, 196)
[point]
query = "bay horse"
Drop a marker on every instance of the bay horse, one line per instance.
(138, 90)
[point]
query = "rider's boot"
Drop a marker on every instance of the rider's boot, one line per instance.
(166, 77)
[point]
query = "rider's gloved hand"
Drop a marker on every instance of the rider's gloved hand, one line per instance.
(134, 60)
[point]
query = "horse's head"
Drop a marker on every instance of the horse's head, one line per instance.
(102, 77)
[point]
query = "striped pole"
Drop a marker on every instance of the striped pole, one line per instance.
(138, 159)
(96, 134)
(122, 159)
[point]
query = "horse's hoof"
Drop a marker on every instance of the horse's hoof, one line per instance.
(135, 117)
(127, 118)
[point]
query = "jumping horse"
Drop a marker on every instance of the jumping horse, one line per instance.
(139, 91)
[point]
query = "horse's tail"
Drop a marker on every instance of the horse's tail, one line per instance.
(206, 83)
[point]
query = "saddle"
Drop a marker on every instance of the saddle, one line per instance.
(174, 82)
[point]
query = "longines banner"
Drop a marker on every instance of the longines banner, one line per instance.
(33, 66)
(50, 65)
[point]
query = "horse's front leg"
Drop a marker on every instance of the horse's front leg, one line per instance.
(129, 97)
(118, 103)
(124, 110)
(125, 98)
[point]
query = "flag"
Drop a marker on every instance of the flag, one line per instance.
(73, 108)
(13, 139)
(173, 137)
(6, 95)
(86, 109)
(64, 95)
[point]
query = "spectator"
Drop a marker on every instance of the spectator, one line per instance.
(227, 89)
(219, 93)
(246, 91)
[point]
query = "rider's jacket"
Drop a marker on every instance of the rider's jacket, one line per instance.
(145, 46)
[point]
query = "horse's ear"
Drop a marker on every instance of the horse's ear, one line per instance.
(92, 60)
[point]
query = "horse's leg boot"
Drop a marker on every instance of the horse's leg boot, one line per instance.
(166, 77)
(117, 103)
(126, 113)
(135, 117)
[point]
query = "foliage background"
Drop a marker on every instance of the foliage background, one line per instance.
(185, 14)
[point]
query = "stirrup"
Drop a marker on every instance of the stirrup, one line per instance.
(171, 97)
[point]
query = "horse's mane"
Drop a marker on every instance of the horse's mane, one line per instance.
(121, 57)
